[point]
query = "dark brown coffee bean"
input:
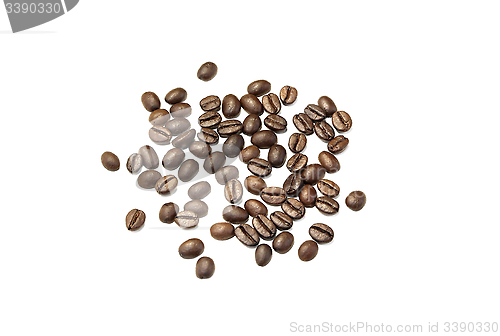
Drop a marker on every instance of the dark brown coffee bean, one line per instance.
(110, 161)
(205, 268)
(338, 144)
(187, 219)
(321, 233)
(303, 123)
(327, 205)
(251, 104)
(356, 200)
(150, 101)
(191, 248)
(293, 184)
(314, 112)
(276, 123)
(276, 156)
(210, 119)
(233, 191)
(254, 184)
(248, 153)
(234, 214)
(259, 87)
(271, 103)
(297, 142)
(159, 117)
(297, 162)
(209, 136)
(264, 139)
(180, 110)
(328, 188)
(247, 235)
(313, 173)
(308, 196)
(283, 242)
(231, 106)
(200, 149)
(255, 207)
(281, 220)
(229, 127)
(259, 167)
(342, 121)
(210, 103)
(214, 162)
(252, 124)
(327, 105)
(308, 250)
(264, 227)
(222, 231)
(233, 145)
(207, 71)
(324, 131)
(329, 161)
(273, 195)
(168, 211)
(175, 96)
(166, 184)
(263, 254)
(288, 95)
(293, 208)
(135, 219)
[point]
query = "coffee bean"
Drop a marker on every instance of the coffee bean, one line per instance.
(293, 184)
(338, 144)
(276, 156)
(281, 220)
(283, 242)
(259, 87)
(264, 227)
(259, 167)
(134, 163)
(207, 71)
(173, 159)
(175, 96)
(184, 140)
(210, 103)
(255, 207)
(308, 196)
(251, 104)
(297, 142)
(147, 179)
(150, 101)
(293, 208)
(248, 153)
(313, 173)
(233, 145)
(149, 157)
(271, 103)
(276, 123)
(160, 135)
(159, 117)
(288, 95)
(231, 106)
(341, 121)
(214, 162)
(110, 161)
(303, 123)
(329, 161)
(252, 124)
(135, 220)
(321, 233)
(263, 254)
(356, 200)
(234, 214)
(327, 105)
(198, 207)
(297, 162)
(205, 268)
(177, 126)
(186, 219)
(273, 195)
(314, 112)
(199, 190)
(210, 119)
(222, 231)
(200, 149)
(247, 235)
(166, 184)
(229, 127)
(264, 139)
(327, 205)
(168, 211)
(308, 250)
(233, 191)
(209, 136)
(188, 170)
(324, 131)
(191, 248)
(328, 188)
(254, 184)
(180, 110)
(226, 174)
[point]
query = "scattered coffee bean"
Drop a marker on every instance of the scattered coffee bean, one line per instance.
(259, 167)
(288, 95)
(251, 104)
(338, 144)
(273, 195)
(312, 173)
(259, 87)
(328, 188)
(191, 248)
(271, 103)
(233, 191)
(321, 233)
(159, 117)
(303, 123)
(180, 110)
(222, 231)
(188, 170)
(135, 220)
(200, 149)
(248, 153)
(356, 200)
(329, 161)
(255, 207)
(207, 71)
(247, 235)
(293, 208)
(293, 184)
(210, 119)
(198, 207)
(281, 220)
(147, 179)
(214, 162)
(205, 268)
(252, 124)
(324, 131)
(209, 136)
(297, 162)
(283, 242)
(263, 254)
(160, 135)
(254, 184)
(297, 142)
(177, 125)
(276, 123)
(308, 250)
(186, 219)
(110, 161)
(199, 190)
(173, 159)
(168, 211)
(264, 227)
(314, 112)
(166, 184)
(327, 105)
(229, 127)
(184, 140)
(342, 121)
(149, 157)
(134, 163)
(150, 101)
(276, 156)
(264, 139)
(327, 205)
(226, 174)
(308, 196)
(234, 214)
(175, 96)
(233, 145)
(210, 103)
(231, 106)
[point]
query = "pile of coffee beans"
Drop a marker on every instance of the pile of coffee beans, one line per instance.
(304, 186)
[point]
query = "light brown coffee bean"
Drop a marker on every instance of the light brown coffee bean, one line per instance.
(255, 207)
(254, 184)
(308, 250)
(297, 142)
(281, 220)
(327, 105)
(231, 106)
(259, 87)
(248, 153)
(283, 242)
(293, 208)
(264, 227)
(338, 144)
(150, 101)
(342, 121)
(251, 104)
(135, 220)
(356, 200)
(166, 184)
(222, 231)
(273, 195)
(288, 95)
(259, 167)
(297, 162)
(321, 233)
(210, 103)
(263, 254)
(191, 248)
(110, 161)
(329, 162)
(327, 205)
(271, 103)
(328, 188)
(247, 235)
(175, 96)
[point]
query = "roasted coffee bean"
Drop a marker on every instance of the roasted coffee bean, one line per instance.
(188, 170)
(175, 96)
(191, 248)
(209, 136)
(288, 95)
(231, 106)
(186, 219)
(303, 123)
(293, 208)
(255, 207)
(313, 173)
(264, 139)
(314, 112)
(276, 156)
(297, 162)
(329, 161)
(259, 87)
(177, 125)
(135, 220)
(259, 167)
(342, 121)
(254, 184)
(134, 163)
(210, 119)
(180, 110)
(233, 191)
(173, 159)
(222, 231)
(263, 254)
(160, 135)
(324, 131)
(110, 161)
(252, 124)
(308, 250)
(159, 117)
(150, 101)
(271, 103)
(251, 104)
(338, 144)
(199, 190)
(226, 174)
(149, 157)
(281, 220)
(321, 233)
(234, 214)
(198, 207)
(229, 127)
(297, 142)
(308, 196)
(273, 195)
(166, 184)
(247, 235)
(328, 188)
(356, 200)
(248, 153)
(168, 211)
(327, 205)
(293, 184)
(214, 162)
(264, 227)
(205, 268)
(283, 242)
(210, 103)
(207, 71)
(233, 145)
(148, 178)
(184, 140)
(327, 105)
(276, 123)
(200, 149)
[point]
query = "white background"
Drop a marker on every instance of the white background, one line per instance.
(421, 82)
